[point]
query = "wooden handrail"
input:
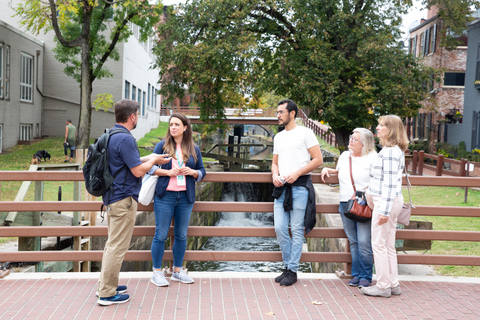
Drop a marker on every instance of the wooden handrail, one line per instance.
(213, 206)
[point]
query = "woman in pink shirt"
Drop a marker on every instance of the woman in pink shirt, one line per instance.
(175, 196)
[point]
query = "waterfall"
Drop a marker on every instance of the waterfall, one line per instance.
(242, 192)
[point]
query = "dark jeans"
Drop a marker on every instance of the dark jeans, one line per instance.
(359, 236)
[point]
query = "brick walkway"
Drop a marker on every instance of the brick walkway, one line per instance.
(243, 296)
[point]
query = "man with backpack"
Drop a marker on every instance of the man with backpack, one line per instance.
(127, 168)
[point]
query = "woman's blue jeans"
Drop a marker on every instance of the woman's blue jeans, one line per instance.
(291, 247)
(359, 236)
(172, 204)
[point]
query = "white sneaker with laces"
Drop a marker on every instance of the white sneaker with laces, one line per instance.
(181, 276)
(159, 279)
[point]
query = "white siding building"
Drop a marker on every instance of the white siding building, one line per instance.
(59, 95)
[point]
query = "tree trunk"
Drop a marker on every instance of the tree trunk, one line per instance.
(342, 138)
(86, 84)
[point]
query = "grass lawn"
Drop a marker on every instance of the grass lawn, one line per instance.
(453, 196)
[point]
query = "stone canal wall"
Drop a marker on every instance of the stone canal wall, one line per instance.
(206, 191)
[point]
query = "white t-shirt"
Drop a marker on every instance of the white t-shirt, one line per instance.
(361, 173)
(292, 148)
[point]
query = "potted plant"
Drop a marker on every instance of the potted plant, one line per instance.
(477, 84)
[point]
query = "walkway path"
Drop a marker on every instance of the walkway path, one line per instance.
(235, 296)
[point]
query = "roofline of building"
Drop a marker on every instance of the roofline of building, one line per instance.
(21, 33)
(423, 23)
(473, 24)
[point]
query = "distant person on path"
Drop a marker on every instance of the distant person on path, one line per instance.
(69, 144)
(386, 192)
(296, 153)
(362, 152)
(175, 196)
(122, 202)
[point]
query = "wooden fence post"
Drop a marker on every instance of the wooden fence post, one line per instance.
(421, 156)
(414, 162)
(439, 165)
(463, 163)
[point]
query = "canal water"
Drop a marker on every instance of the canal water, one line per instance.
(243, 192)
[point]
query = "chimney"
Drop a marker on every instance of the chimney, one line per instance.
(432, 12)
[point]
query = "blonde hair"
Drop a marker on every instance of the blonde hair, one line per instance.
(396, 136)
(366, 138)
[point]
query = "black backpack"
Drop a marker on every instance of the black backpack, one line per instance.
(96, 171)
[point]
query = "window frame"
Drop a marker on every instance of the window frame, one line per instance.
(26, 77)
(1, 71)
(453, 85)
(127, 90)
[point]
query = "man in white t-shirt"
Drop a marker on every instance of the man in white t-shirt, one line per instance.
(296, 153)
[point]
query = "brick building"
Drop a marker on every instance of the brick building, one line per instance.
(443, 109)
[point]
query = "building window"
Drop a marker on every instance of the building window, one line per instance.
(134, 92)
(127, 89)
(26, 78)
(139, 95)
(7, 73)
(148, 95)
(25, 133)
(433, 38)
(456, 79)
(413, 46)
(155, 105)
(1, 70)
(422, 44)
(143, 103)
(477, 72)
(153, 96)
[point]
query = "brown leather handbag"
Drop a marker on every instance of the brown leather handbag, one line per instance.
(359, 212)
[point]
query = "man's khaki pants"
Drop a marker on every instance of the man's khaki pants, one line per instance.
(120, 220)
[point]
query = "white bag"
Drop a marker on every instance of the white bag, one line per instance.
(147, 191)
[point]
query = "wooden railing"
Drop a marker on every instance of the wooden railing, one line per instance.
(319, 130)
(459, 168)
(195, 111)
(200, 206)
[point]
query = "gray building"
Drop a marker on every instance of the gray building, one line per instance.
(55, 97)
(21, 84)
(469, 130)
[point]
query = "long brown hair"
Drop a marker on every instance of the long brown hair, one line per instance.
(188, 146)
(396, 136)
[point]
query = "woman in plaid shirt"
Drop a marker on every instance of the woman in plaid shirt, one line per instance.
(385, 190)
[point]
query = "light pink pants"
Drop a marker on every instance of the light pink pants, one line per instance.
(383, 245)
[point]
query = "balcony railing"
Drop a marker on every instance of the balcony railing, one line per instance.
(201, 206)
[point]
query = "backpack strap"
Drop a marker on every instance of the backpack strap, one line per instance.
(111, 132)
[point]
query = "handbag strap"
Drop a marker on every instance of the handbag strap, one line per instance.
(351, 175)
(408, 184)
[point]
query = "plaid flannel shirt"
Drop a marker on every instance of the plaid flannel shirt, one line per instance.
(386, 177)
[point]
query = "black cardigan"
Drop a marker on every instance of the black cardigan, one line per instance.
(311, 210)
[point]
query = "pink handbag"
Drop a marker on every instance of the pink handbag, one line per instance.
(404, 215)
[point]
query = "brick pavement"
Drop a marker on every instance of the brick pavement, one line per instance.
(235, 296)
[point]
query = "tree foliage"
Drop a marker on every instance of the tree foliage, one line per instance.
(455, 15)
(87, 32)
(339, 60)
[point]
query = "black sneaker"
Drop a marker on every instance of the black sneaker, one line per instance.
(289, 279)
(280, 277)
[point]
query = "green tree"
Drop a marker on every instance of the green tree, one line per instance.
(339, 60)
(87, 32)
(455, 15)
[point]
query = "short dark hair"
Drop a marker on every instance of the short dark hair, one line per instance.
(291, 106)
(124, 108)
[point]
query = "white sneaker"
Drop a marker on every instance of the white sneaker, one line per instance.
(159, 279)
(181, 276)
